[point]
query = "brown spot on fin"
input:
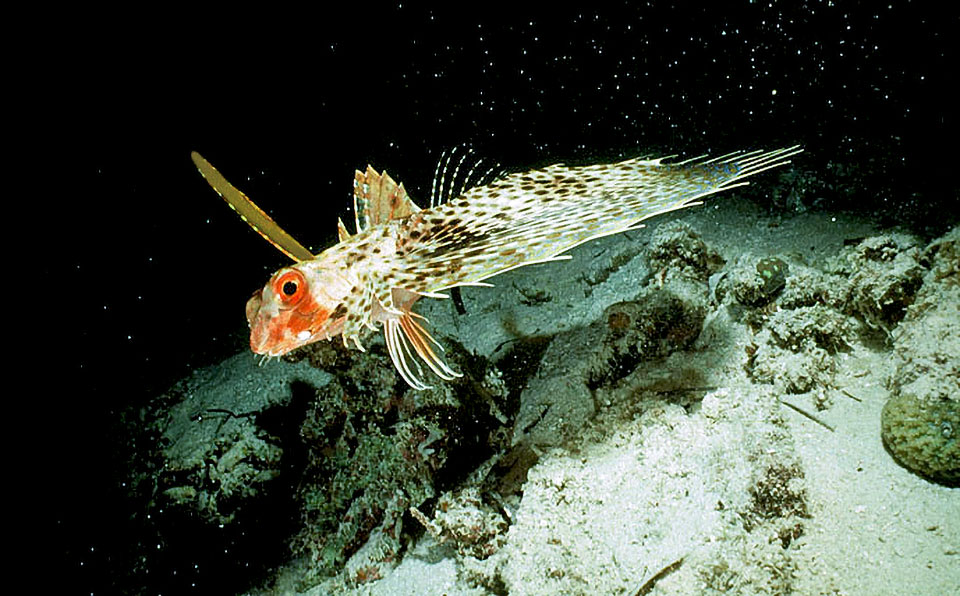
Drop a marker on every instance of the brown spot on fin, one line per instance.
(377, 199)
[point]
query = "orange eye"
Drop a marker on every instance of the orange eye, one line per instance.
(290, 287)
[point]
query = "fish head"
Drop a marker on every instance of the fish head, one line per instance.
(298, 306)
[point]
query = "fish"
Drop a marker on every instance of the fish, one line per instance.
(399, 253)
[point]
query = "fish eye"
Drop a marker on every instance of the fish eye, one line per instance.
(290, 287)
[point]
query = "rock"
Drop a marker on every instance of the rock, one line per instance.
(886, 279)
(795, 348)
(922, 432)
(755, 282)
(678, 248)
(559, 399)
(920, 423)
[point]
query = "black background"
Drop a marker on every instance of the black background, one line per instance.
(142, 272)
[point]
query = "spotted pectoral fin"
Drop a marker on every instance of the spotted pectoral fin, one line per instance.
(377, 199)
(404, 336)
(262, 223)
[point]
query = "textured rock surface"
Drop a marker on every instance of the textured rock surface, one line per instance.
(667, 315)
(921, 420)
(886, 276)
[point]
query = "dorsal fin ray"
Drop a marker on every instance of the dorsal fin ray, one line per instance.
(255, 217)
(342, 232)
(377, 199)
(459, 170)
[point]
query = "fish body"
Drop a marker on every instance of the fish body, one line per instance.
(400, 253)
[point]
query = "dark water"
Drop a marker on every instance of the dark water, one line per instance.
(148, 271)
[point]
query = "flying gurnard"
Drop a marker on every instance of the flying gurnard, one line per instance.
(400, 253)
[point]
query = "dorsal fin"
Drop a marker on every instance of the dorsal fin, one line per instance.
(458, 170)
(377, 199)
(342, 232)
(262, 223)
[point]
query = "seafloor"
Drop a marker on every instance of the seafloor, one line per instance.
(692, 408)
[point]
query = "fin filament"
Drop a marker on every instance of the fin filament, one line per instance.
(401, 334)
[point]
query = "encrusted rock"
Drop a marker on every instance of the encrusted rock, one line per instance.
(755, 282)
(887, 275)
(678, 248)
(920, 423)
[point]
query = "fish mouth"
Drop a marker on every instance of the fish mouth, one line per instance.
(273, 336)
(258, 344)
(266, 337)
(274, 351)
(258, 347)
(262, 342)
